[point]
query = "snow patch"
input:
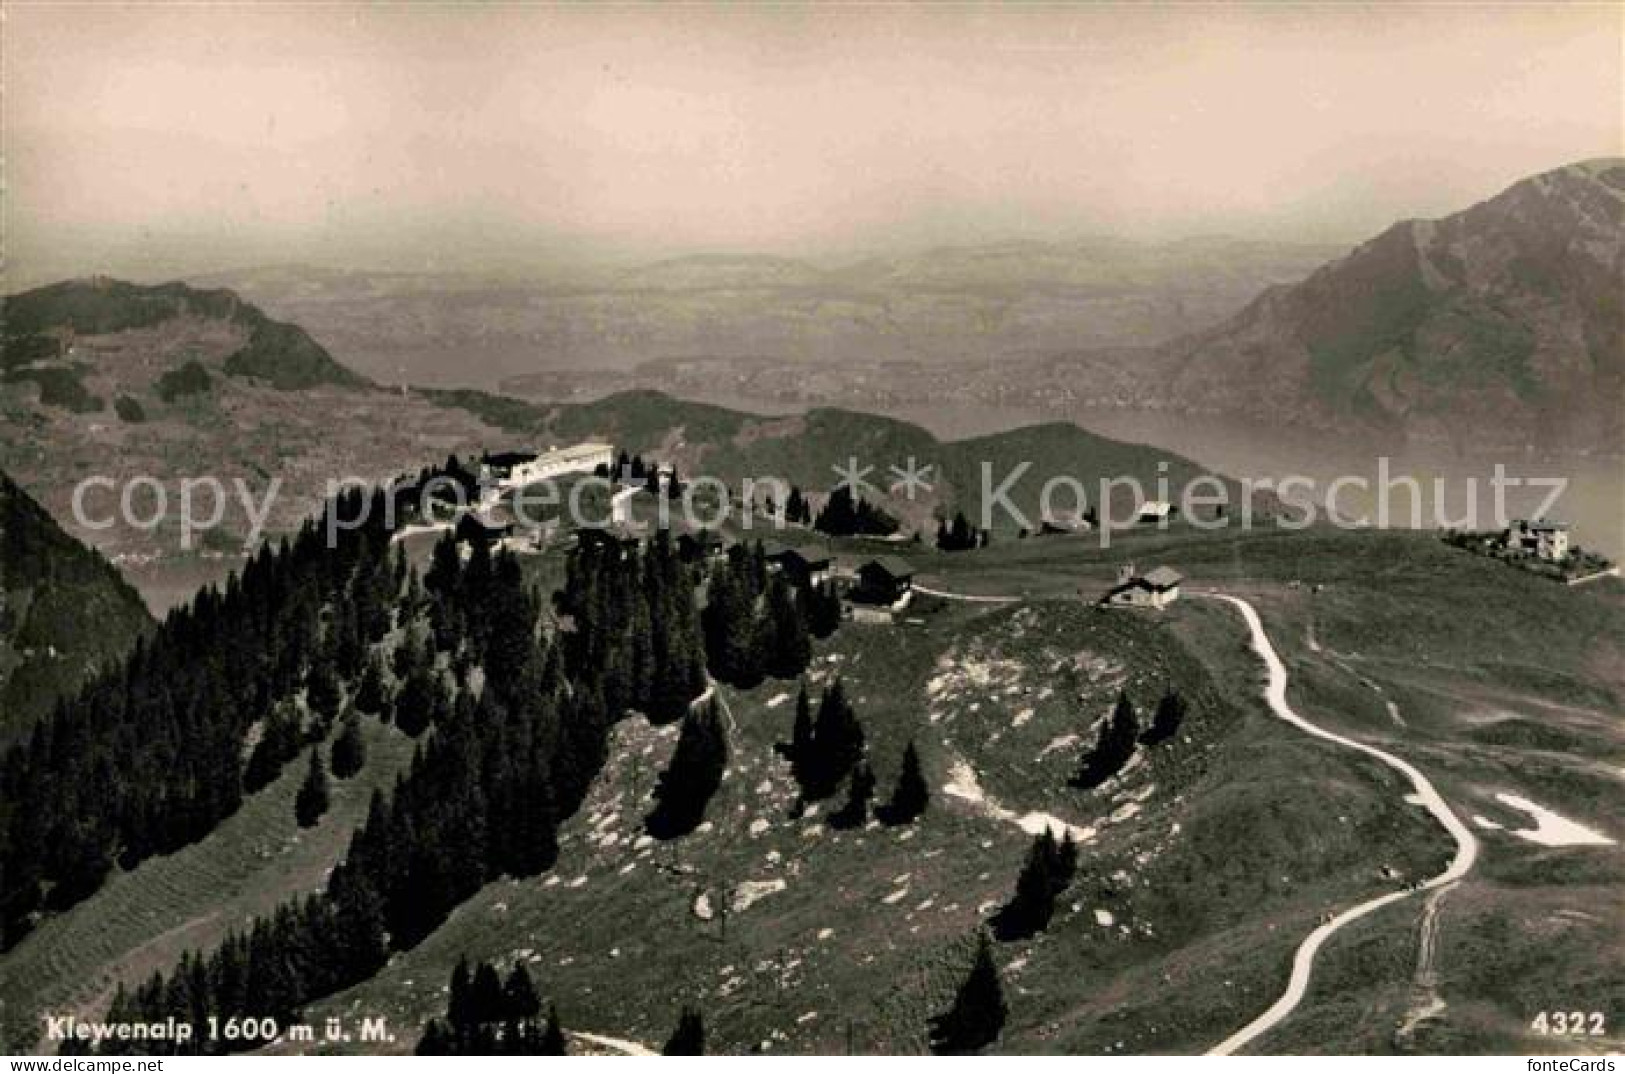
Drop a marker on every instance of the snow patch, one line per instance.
(1552, 829)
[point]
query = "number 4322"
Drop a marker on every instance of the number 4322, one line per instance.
(1569, 1023)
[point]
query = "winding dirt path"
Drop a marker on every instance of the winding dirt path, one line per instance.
(972, 598)
(1303, 962)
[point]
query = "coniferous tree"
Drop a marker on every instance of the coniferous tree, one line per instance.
(487, 1000)
(279, 741)
(854, 812)
(692, 776)
(552, 1038)
(799, 751)
(790, 649)
(435, 1039)
(689, 1036)
(1045, 875)
(349, 749)
(311, 801)
(912, 794)
(957, 537)
(323, 692)
(1170, 713)
(821, 609)
(835, 747)
(1115, 745)
(369, 692)
(420, 699)
(977, 1014)
(519, 995)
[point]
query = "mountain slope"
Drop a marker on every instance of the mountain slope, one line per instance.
(1500, 325)
(41, 325)
(63, 610)
(171, 383)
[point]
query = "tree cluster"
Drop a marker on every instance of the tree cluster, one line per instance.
(634, 635)
(490, 780)
(486, 1015)
(844, 515)
(756, 624)
(824, 748)
(960, 535)
(148, 756)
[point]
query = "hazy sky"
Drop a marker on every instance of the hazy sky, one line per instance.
(375, 134)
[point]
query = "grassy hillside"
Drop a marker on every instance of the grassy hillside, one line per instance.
(282, 355)
(1210, 859)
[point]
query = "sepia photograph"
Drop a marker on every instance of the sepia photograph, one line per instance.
(776, 529)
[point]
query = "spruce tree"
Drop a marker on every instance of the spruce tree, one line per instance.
(692, 776)
(435, 1039)
(278, 743)
(323, 692)
(552, 1039)
(854, 813)
(486, 997)
(349, 749)
(419, 701)
(1044, 876)
(460, 1006)
(1165, 721)
(689, 1036)
(311, 801)
(837, 744)
(787, 648)
(1115, 745)
(369, 692)
(519, 995)
(912, 794)
(799, 750)
(978, 1011)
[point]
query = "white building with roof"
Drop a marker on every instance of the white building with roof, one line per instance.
(1156, 588)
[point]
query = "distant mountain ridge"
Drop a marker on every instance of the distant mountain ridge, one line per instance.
(40, 324)
(944, 305)
(1500, 325)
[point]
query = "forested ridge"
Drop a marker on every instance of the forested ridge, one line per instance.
(512, 721)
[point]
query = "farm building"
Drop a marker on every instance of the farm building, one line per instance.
(803, 566)
(1156, 588)
(1547, 540)
(1156, 512)
(884, 580)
